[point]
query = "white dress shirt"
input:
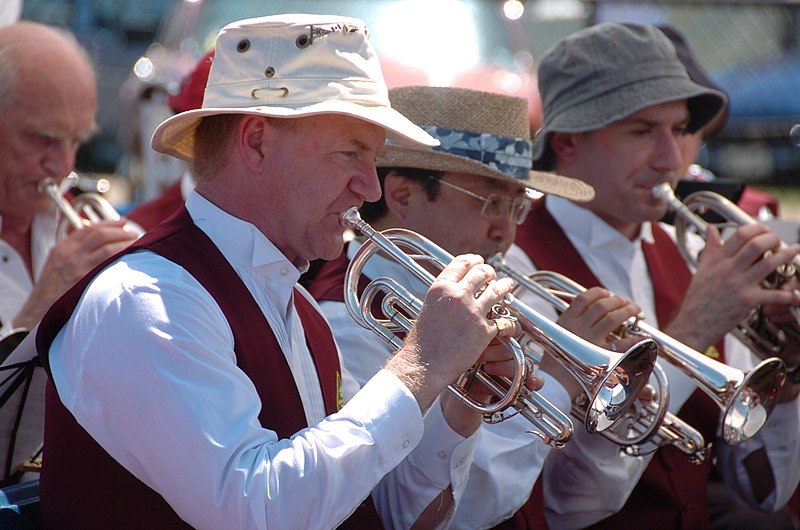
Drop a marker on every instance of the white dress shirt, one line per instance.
(590, 480)
(15, 280)
(146, 365)
(507, 459)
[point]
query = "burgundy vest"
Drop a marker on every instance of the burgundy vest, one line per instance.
(672, 491)
(328, 285)
(81, 486)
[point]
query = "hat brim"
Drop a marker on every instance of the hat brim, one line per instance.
(175, 135)
(551, 183)
(615, 105)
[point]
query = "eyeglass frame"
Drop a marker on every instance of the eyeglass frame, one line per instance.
(509, 205)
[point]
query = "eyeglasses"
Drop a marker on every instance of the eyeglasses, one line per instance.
(495, 206)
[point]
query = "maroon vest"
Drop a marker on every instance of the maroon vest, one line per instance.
(328, 285)
(81, 486)
(672, 491)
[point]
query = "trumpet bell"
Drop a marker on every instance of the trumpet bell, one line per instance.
(749, 407)
(626, 377)
(611, 381)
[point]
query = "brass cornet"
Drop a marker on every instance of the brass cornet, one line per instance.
(85, 209)
(765, 337)
(747, 398)
(611, 380)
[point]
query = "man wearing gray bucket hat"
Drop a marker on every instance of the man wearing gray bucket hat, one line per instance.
(194, 383)
(616, 103)
(466, 195)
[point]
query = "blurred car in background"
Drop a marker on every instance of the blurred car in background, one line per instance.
(757, 144)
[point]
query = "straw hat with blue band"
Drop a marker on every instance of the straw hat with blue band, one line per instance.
(290, 66)
(480, 133)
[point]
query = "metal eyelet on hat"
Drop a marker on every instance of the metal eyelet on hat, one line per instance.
(302, 41)
(243, 45)
(270, 71)
(282, 92)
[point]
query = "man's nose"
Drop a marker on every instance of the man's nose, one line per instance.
(503, 230)
(365, 183)
(59, 159)
(667, 156)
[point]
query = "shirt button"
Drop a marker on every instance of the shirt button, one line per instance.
(442, 455)
(459, 463)
(406, 444)
(284, 271)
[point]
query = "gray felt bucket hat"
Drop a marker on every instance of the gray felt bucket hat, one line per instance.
(604, 73)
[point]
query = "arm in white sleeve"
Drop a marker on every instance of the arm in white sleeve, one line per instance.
(507, 462)
(164, 397)
(440, 460)
(764, 471)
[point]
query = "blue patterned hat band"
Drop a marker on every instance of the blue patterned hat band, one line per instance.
(510, 155)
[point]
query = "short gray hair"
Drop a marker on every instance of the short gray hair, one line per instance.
(10, 54)
(8, 81)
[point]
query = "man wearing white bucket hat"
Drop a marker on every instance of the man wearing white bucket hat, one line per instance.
(194, 382)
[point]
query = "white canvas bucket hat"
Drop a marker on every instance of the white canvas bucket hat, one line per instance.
(288, 66)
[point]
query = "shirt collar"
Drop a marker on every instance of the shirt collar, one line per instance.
(586, 226)
(240, 241)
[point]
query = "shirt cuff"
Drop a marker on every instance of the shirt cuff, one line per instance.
(444, 453)
(390, 413)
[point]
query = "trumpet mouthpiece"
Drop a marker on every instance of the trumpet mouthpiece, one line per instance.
(663, 192)
(350, 218)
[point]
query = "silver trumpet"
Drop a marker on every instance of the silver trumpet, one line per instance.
(85, 209)
(762, 335)
(611, 380)
(747, 398)
(647, 424)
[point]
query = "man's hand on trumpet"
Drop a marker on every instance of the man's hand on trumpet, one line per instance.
(68, 261)
(594, 315)
(597, 313)
(452, 329)
(728, 283)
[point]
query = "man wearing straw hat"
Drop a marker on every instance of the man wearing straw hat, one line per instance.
(467, 195)
(616, 103)
(194, 383)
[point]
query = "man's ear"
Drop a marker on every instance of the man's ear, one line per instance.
(251, 141)
(564, 145)
(397, 191)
